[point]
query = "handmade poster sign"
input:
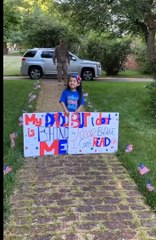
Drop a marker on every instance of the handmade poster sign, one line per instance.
(93, 132)
(45, 133)
(54, 133)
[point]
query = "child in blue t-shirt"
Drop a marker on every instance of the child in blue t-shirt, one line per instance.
(71, 98)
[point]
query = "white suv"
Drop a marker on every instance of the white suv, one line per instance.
(37, 62)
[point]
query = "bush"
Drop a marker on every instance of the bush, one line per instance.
(149, 67)
(146, 66)
(110, 50)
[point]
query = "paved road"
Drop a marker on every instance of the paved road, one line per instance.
(106, 79)
(119, 79)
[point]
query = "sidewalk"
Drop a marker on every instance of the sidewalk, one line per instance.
(81, 197)
(105, 79)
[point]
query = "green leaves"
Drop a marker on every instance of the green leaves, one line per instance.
(109, 49)
(11, 19)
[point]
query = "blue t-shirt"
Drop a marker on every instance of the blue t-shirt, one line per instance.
(71, 99)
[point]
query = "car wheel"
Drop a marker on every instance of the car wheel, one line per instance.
(87, 74)
(35, 73)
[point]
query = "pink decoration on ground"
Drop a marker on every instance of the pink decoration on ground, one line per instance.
(129, 148)
(149, 187)
(143, 169)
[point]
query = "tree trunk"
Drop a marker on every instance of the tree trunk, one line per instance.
(151, 45)
(5, 49)
(151, 41)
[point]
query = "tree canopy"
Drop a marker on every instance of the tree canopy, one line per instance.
(120, 16)
(11, 18)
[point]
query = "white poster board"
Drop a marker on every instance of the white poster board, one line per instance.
(54, 133)
(93, 132)
(45, 133)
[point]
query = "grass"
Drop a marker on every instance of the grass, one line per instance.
(11, 65)
(14, 53)
(133, 73)
(136, 127)
(128, 74)
(15, 100)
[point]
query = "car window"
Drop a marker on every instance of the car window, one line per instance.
(30, 54)
(72, 57)
(47, 54)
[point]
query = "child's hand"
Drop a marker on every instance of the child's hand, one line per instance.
(76, 112)
(66, 113)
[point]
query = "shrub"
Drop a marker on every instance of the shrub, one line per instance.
(110, 50)
(146, 66)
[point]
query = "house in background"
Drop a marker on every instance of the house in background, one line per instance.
(131, 63)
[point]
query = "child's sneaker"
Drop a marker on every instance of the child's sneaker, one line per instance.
(143, 169)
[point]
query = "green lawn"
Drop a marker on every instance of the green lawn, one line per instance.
(11, 65)
(129, 74)
(132, 73)
(15, 100)
(136, 127)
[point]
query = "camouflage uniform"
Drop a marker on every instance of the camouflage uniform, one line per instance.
(61, 54)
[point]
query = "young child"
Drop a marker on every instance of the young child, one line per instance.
(71, 98)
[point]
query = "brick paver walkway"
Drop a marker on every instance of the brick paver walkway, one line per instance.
(82, 197)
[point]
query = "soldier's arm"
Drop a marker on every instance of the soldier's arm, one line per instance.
(68, 57)
(55, 55)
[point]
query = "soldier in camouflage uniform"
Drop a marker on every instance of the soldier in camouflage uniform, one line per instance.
(61, 54)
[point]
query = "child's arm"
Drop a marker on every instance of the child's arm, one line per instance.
(80, 109)
(64, 108)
